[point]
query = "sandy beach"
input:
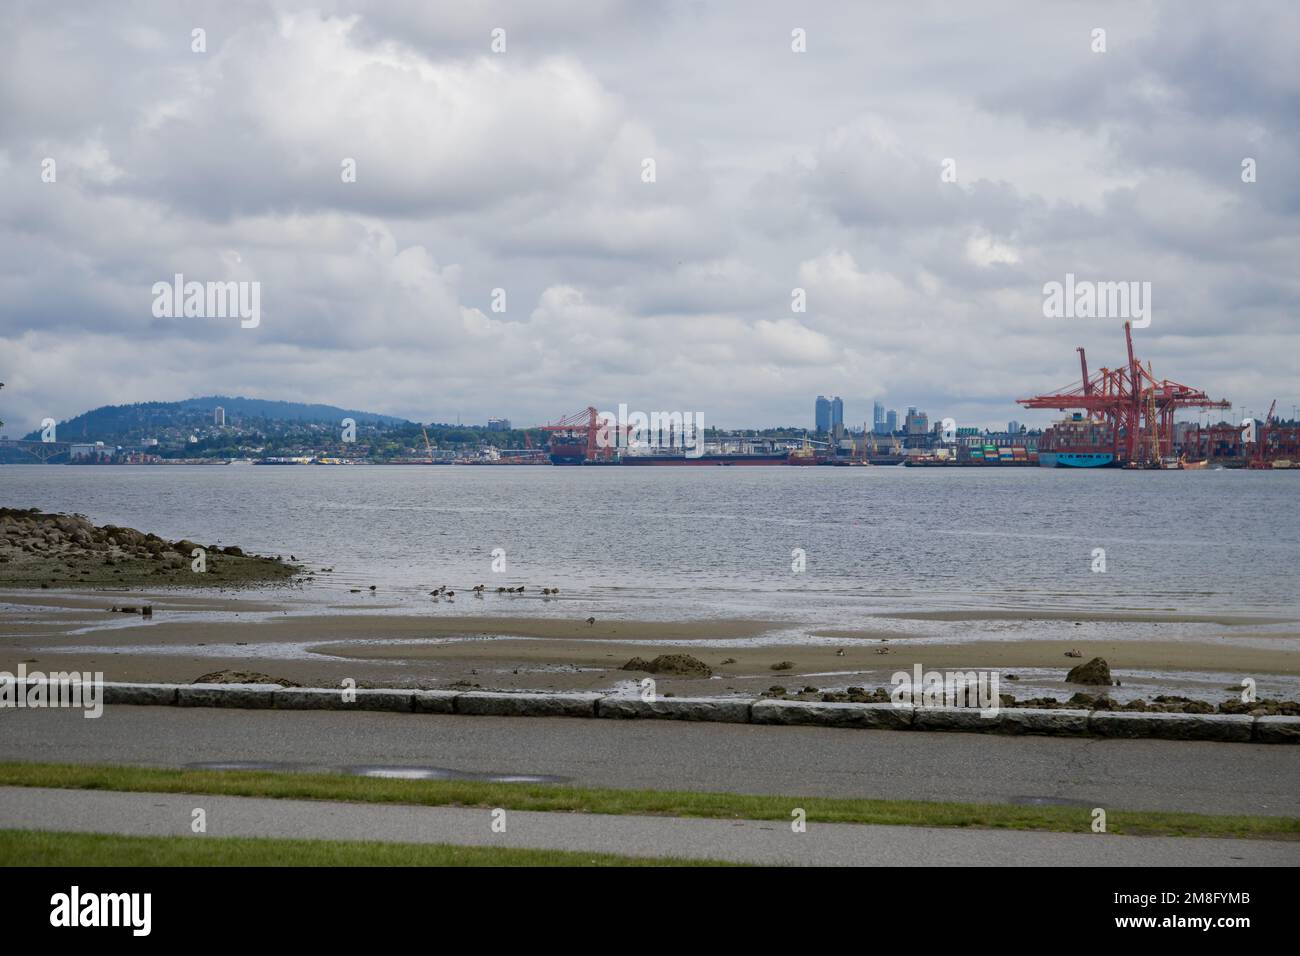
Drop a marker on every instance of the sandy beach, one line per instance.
(194, 634)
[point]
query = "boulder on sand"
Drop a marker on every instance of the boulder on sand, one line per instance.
(678, 665)
(242, 677)
(1096, 671)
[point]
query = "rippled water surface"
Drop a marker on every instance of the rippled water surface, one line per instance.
(679, 542)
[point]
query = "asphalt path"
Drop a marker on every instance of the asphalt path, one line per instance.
(738, 841)
(675, 755)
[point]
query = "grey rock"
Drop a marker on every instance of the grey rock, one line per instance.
(1096, 671)
(247, 696)
(1277, 730)
(831, 714)
(721, 710)
(488, 703)
(1227, 727)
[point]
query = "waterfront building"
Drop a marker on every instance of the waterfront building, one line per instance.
(878, 418)
(822, 414)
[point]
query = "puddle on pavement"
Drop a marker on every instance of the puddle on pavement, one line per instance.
(385, 771)
(442, 773)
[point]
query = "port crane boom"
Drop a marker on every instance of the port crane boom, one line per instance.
(1138, 407)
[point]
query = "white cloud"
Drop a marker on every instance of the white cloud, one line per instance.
(522, 171)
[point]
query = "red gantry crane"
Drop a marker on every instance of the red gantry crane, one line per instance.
(1138, 407)
(1261, 440)
(574, 438)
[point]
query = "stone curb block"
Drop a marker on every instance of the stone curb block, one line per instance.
(964, 719)
(1010, 720)
(436, 701)
(319, 698)
(827, 714)
(1277, 730)
(487, 703)
(1225, 727)
(1048, 722)
(249, 696)
(715, 709)
(140, 694)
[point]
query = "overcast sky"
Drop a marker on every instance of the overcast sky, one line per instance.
(523, 170)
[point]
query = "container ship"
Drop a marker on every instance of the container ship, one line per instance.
(978, 456)
(1078, 442)
(576, 454)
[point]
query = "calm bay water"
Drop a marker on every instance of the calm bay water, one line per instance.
(698, 542)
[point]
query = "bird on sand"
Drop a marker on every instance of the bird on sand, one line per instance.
(591, 621)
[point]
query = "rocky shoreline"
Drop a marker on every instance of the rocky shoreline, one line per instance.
(1162, 704)
(44, 550)
(1096, 671)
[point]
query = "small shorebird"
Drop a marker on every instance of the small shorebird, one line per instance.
(1073, 653)
(840, 652)
(501, 590)
(591, 621)
(372, 587)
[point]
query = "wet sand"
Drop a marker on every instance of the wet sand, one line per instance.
(74, 630)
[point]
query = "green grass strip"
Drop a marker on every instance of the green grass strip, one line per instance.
(548, 797)
(50, 848)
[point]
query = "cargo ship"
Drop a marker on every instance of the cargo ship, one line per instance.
(757, 458)
(575, 453)
(979, 456)
(1078, 442)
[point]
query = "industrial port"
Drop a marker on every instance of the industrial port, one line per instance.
(1113, 417)
(1116, 417)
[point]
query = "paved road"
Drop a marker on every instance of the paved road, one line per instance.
(828, 844)
(672, 755)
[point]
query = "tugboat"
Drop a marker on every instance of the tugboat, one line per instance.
(805, 455)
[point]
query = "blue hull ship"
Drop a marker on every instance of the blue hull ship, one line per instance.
(1076, 459)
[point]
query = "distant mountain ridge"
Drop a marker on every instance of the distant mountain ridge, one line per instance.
(119, 423)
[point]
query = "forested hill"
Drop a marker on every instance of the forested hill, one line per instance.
(124, 424)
